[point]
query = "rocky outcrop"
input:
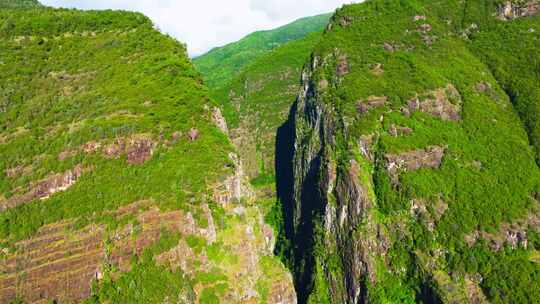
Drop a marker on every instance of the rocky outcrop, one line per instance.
(371, 102)
(235, 186)
(443, 103)
(510, 10)
(513, 235)
(219, 120)
(138, 149)
(430, 157)
(45, 188)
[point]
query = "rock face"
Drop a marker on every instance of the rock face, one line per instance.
(430, 157)
(44, 189)
(443, 103)
(235, 186)
(330, 210)
(386, 175)
(516, 9)
(219, 120)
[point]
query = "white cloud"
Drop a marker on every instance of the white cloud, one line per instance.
(204, 24)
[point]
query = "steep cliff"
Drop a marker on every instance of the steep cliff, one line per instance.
(260, 88)
(118, 183)
(405, 170)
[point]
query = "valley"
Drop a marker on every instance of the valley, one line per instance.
(387, 152)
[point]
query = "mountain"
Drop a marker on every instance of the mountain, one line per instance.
(409, 170)
(118, 183)
(221, 64)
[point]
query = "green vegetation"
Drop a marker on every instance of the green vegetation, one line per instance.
(488, 177)
(66, 89)
(87, 90)
(222, 64)
(11, 4)
(257, 102)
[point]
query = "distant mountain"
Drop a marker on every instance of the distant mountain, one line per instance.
(221, 64)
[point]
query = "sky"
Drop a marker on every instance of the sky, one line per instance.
(204, 24)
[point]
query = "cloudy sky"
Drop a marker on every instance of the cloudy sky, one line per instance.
(204, 24)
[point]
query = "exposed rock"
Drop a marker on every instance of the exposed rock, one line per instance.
(210, 231)
(486, 88)
(372, 102)
(389, 47)
(234, 187)
(340, 198)
(424, 28)
(444, 103)
(396, 131)
(18, 171)
(139, 150)
(510, 234)
(66, 154)
(475, 295)
(323, 84)
(44, 189)
(219, 120)
(419, 18)
(176, 136)
(193, 134)
(115, 149)
(482, 87)
(366, 143)
(342, 68)
(419, 210)
(91, 147)
(516, 9)
(376, 69)
(430, 157)
(345, 21)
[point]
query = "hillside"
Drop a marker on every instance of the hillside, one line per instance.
(411, 173)
(117, 182)
(12, 4)
(257, 102)
(221, 64)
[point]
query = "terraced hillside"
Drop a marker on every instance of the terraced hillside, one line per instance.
(411, 173)
(117, 182)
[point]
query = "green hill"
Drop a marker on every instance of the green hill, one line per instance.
(411, 173)
(117, 184)
(221, 64)
(18, 4)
